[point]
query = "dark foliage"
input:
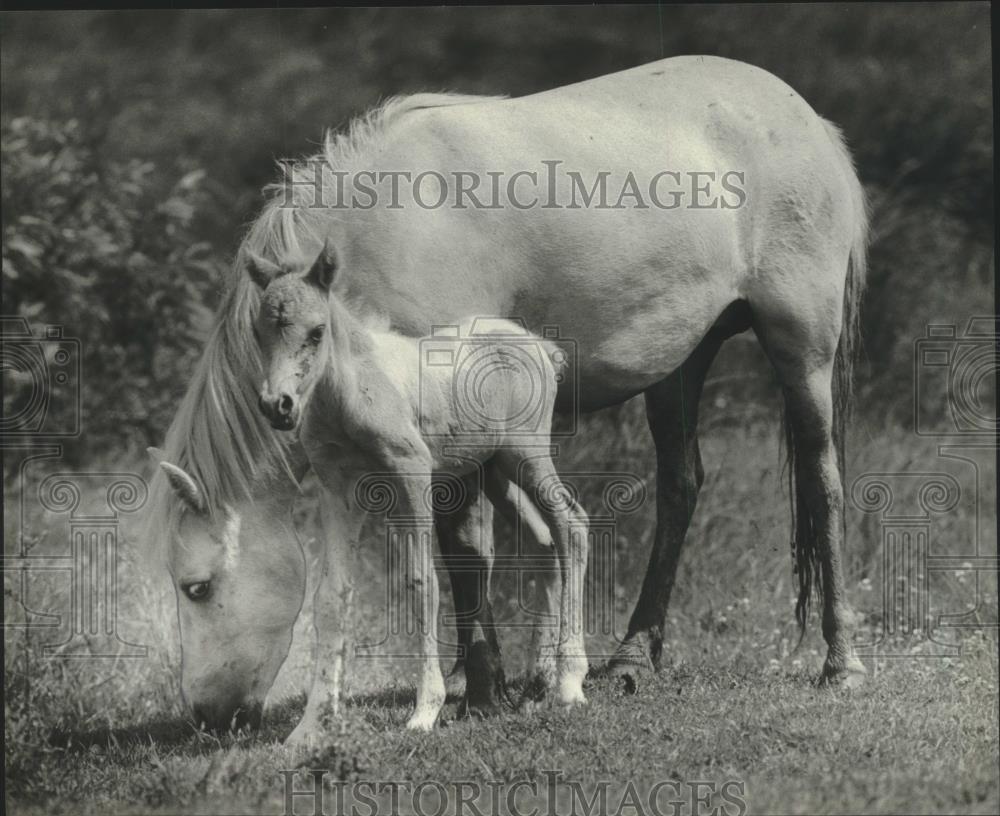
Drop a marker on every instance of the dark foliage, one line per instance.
(116, 227)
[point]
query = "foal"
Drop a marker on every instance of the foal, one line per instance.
(365, 402)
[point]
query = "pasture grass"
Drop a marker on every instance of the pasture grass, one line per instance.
(736, 700)
(920, 737)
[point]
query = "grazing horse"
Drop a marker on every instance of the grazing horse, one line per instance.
(366, 405)
(646, 293)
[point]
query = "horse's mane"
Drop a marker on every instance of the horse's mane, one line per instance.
(291, 227)
(218, 434)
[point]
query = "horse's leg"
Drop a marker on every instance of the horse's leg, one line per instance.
(332, 601)
(465, 536)
(564, 585)
(801, 344)
(672, 414)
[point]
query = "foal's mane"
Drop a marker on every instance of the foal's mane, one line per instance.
(218, 434)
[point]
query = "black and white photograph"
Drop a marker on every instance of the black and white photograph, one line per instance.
(499, 410)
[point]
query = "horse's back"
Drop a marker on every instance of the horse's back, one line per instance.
(635, 286)
(727, 105)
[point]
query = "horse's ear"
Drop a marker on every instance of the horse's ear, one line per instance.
(157, 455)
(261, 271)
(324, 269)
(185, 487)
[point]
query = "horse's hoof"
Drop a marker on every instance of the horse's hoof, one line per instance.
(848, 675)
(454, 684)
(305, 735)
(421, 722)
(480, 709)
(629, 669)
(573, 700)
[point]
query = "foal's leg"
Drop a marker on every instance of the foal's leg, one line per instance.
(523, 516)
(341, 522)
(465, 536)
(567, 522)
(672, 414)
(413, 551)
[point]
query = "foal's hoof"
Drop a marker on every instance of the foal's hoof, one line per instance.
(850, 674)
(483, 699)
(536, 693)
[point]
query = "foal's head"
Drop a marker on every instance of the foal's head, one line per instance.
(292, 329)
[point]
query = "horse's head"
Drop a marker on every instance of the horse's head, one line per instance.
(239, 573)
(291, 328)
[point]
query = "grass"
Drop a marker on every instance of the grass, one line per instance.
(736, 701)
(920, 737)
(911, 88)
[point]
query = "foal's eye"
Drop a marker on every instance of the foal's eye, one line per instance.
(197, 591)
(315, 335)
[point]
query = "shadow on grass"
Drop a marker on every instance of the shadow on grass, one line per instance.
(167, 732)
(279, 720)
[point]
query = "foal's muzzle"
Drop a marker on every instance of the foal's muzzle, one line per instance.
(281, 411)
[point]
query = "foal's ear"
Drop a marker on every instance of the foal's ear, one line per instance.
(324, 269)
(261, 271)
(185, 487)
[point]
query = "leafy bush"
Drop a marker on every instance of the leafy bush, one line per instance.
(99, 232)
(106, 249)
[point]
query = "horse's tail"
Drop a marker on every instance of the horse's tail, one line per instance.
(804, 545)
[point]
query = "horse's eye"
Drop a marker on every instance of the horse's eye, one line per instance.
(315, 335)
(197, 591)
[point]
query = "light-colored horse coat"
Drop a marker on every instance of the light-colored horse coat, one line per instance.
(646, 294)
(369, 401)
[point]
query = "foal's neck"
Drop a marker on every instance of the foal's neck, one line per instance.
(355, 346)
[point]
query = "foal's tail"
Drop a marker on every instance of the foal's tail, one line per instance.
(807, 564)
